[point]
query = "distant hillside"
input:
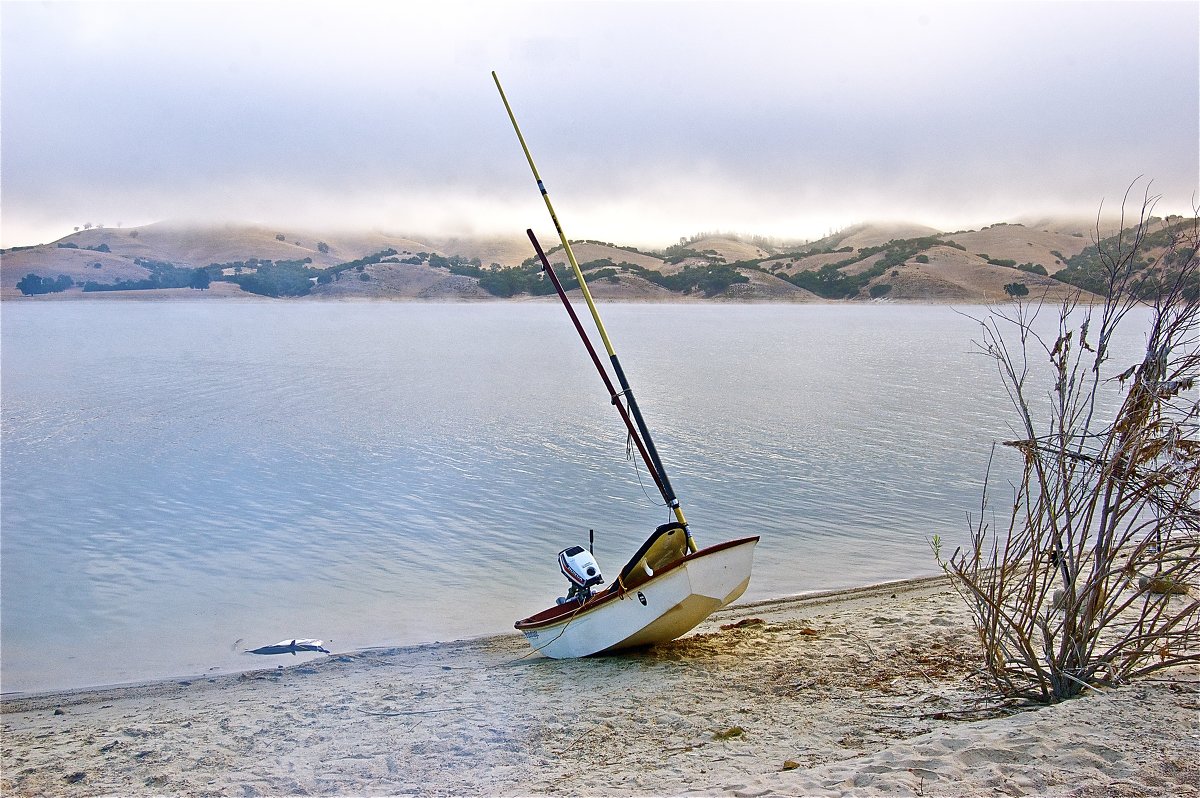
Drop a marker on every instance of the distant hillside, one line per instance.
(889, 262)
(874, 235)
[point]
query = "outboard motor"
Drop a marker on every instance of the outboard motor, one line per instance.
(580, 568)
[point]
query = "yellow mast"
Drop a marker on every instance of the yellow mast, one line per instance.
(587, 297)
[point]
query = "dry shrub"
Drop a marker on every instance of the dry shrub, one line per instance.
(1095, 579)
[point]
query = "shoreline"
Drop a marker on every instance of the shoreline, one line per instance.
(190, 295)
(66, 694)
(871, 690)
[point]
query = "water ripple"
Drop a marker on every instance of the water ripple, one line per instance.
(179, 476)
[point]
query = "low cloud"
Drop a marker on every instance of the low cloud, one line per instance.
(649, 120)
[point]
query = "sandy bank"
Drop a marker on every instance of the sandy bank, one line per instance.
(869, 691)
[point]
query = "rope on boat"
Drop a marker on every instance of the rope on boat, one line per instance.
(551, 640)
(562, 631)
(638, 472)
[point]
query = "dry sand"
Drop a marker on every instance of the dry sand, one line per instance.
(862, 692)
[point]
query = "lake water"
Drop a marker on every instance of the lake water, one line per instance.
(184, 480)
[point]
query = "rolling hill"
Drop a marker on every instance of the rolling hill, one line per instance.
(891, 262)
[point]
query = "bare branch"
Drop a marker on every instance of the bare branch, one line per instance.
(1088, 583)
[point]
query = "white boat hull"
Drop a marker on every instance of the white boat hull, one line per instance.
(669, 604)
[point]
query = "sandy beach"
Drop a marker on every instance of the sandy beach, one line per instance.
(870, 691)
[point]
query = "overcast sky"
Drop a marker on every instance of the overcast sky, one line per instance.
(648, 120)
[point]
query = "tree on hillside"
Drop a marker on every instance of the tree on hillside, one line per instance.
(1087, 269)
(200, 279)
(32, 284)
(1094, 579)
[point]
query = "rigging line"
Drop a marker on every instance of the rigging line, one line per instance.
(638, 472)
(654, 460)
(561, 632)
(663, 486)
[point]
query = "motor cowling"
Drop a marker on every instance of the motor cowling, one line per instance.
(580, 568)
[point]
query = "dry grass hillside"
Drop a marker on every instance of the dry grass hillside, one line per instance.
(1079, 226)
(952, 275)
(200, 246)
(873, 235)
(80, 265)
(1023, 244)
(868, 261)
(730, 249)
(627, 288)
(766, 288)
(501, 250)
(791, 264)
(586, 251)
(402, 281)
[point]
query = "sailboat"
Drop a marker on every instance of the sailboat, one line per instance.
(669, 585)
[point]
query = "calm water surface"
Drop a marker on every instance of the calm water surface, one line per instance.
(182, 481)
